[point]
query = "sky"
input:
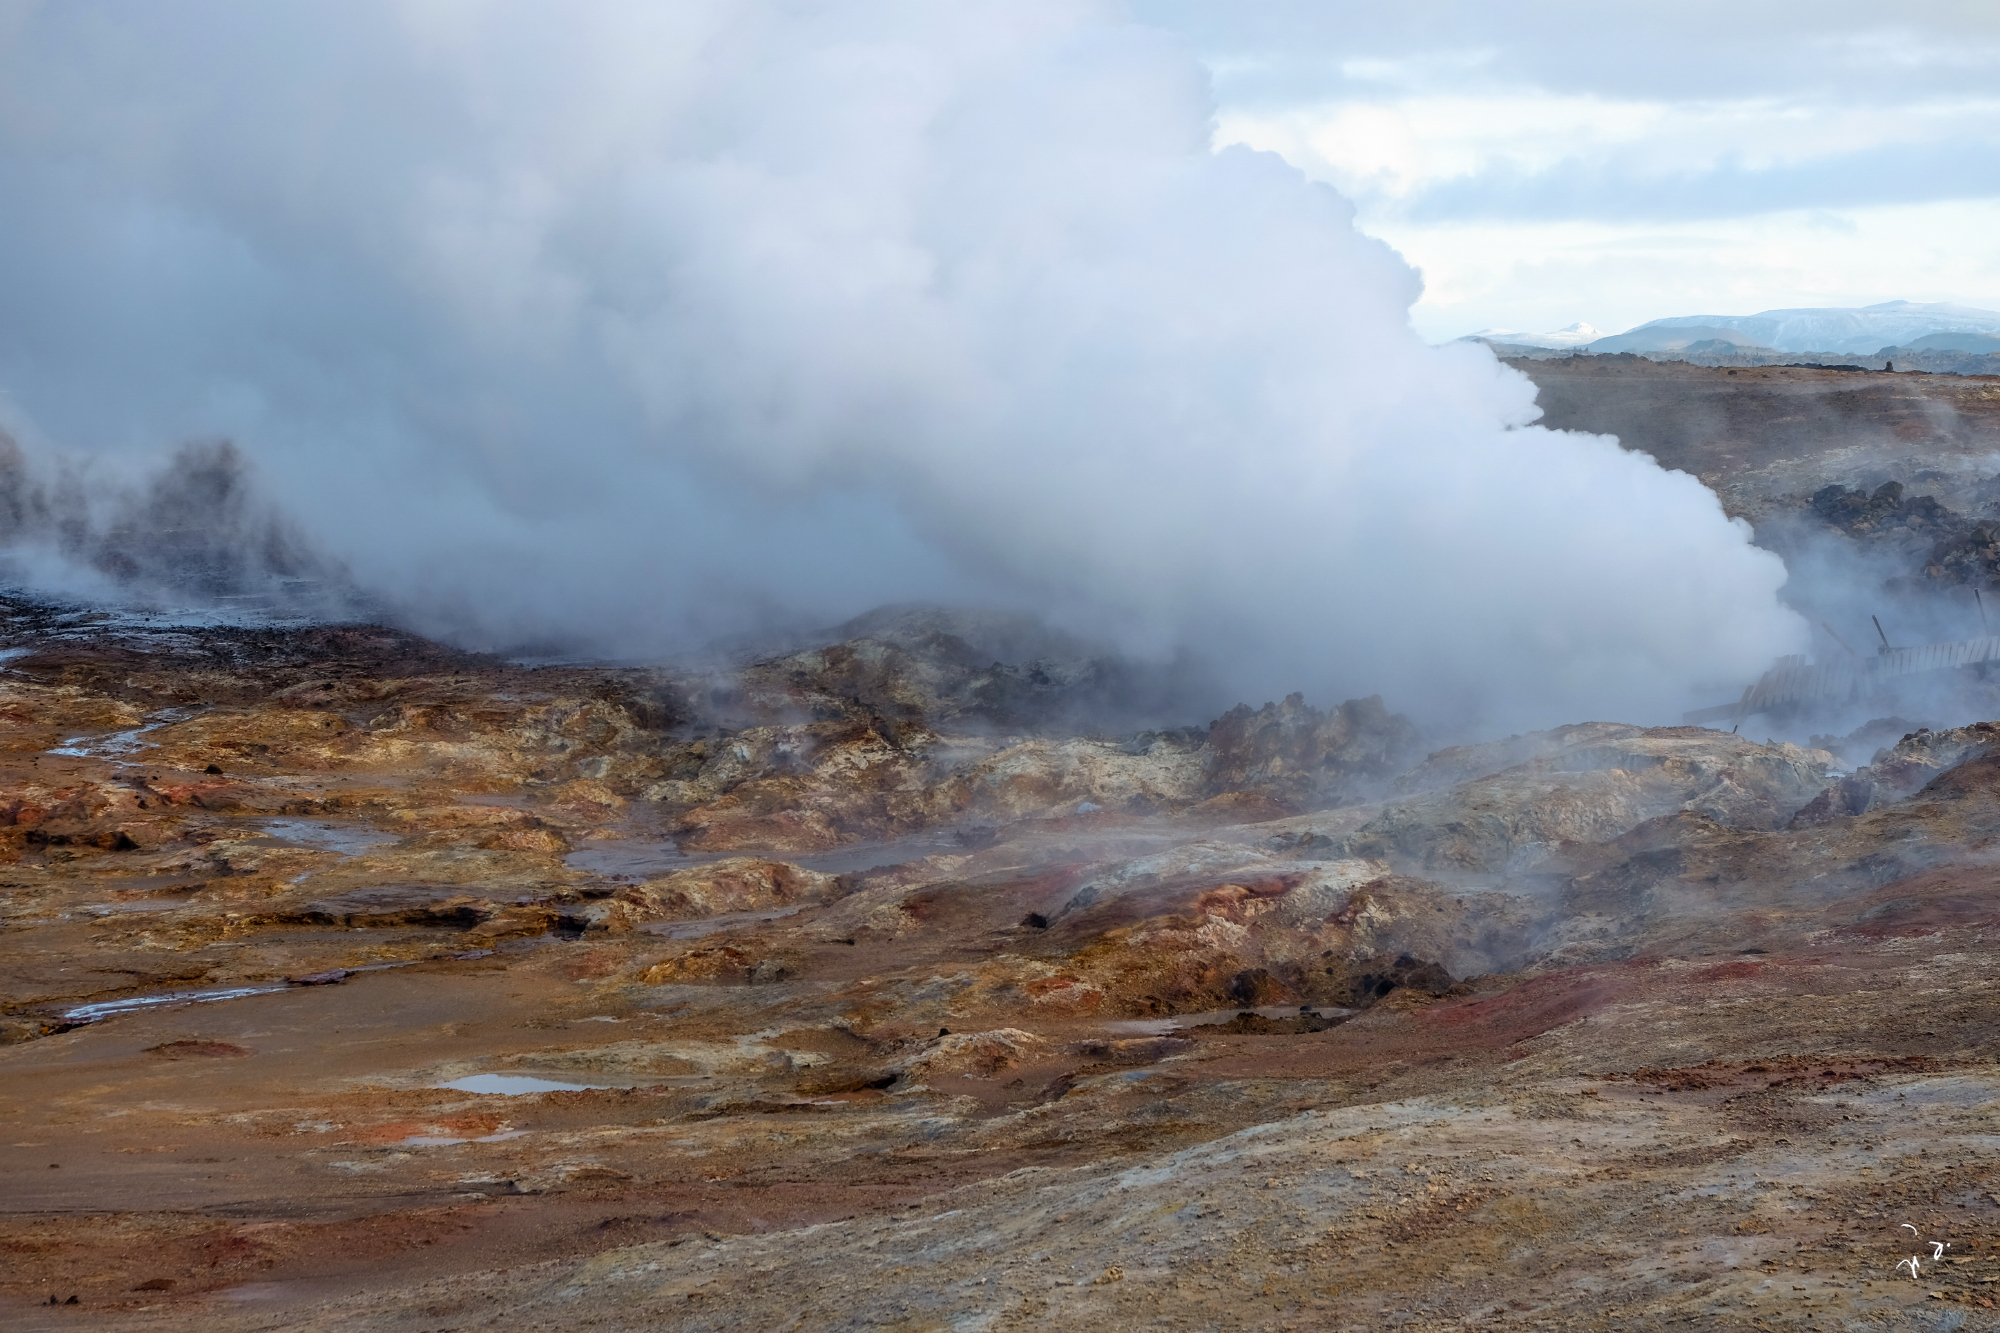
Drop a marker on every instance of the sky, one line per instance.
(1543, 163)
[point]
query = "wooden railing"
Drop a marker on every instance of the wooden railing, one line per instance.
(1794, 680)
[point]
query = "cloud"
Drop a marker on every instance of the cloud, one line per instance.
(1851, 52)
(1511, 152)
(628, 324)
(1614, 191)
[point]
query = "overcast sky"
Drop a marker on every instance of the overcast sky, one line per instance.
(1543, 163)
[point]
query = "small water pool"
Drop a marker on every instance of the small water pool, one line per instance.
(446, 1141)
(326, 835)
(137, 905)
(517, 1085)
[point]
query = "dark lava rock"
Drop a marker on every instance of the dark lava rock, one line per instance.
(1960, 551)
(1859, 513)
(81, 835)
(1378, 976)
(1971, 556)
(1257, 988)
(397, 905)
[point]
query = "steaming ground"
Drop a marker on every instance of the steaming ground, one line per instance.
(195, 539)
(1812, 459)
(631, 332)
(875, 993)
(1878, 490)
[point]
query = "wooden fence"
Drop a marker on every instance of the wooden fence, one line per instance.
(1794, 680)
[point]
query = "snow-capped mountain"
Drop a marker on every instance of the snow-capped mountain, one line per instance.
(1576, 335)
(1834, 329)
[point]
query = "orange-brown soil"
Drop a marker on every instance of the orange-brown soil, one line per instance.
(878, 1003)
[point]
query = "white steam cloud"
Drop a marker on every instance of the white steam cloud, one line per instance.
(625, 323)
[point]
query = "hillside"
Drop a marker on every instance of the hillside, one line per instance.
(1756, 433)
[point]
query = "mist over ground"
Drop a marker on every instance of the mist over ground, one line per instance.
(629, 327)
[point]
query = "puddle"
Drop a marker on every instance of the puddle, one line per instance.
(440, 1141)
(517, 1085)
(325, 835)
(120, 743)
(91, 1013)
(1160, 1027)
(640, 860)
(142, 905)
(708, 925)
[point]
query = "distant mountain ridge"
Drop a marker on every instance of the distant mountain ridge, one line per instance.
(1867, 329)
(1661, 336)
(1985, 343)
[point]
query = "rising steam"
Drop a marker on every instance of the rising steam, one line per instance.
(628, 323)
(195, 532)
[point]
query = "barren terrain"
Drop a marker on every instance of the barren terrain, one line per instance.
(874, 985)
(1758, 433)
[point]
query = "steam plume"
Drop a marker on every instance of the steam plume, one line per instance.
(636, 322)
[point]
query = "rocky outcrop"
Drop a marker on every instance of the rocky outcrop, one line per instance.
(1687, 874)
(1211, 925)
(1586, 784)
(1969, 556)
(969, 671)
(738, 884)
(1306, 758)
(1884, 512)
(971, 1054)
(1897, 772)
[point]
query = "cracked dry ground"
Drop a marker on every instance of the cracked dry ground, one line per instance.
(1610, 1027)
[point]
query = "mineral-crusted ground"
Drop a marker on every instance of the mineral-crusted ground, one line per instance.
(932, 975)
(878, 997)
